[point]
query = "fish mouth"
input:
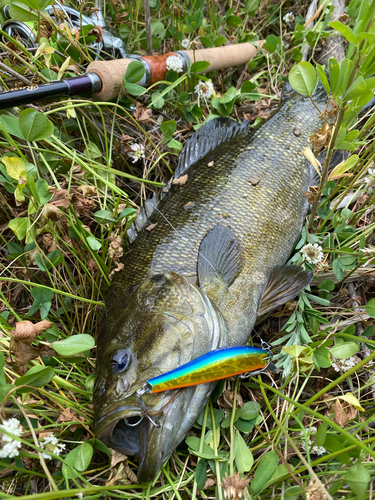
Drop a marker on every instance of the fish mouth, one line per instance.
(131, 433)
(122, 430)
(128, 434)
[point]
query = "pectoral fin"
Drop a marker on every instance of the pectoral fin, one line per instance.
(283, 283)
(220, 260)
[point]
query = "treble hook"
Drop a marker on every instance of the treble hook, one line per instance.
(138, 394)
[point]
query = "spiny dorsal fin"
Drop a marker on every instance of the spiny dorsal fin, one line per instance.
(142, 217)
(212, 134)
(283, 284)
(220, 259)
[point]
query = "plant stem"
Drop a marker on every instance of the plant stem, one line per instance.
(231, 459)
(201, 443)
(217, 466)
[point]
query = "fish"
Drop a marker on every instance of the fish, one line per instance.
(210, 265)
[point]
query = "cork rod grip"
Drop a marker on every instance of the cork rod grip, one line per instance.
(111, 74)
(227, 56)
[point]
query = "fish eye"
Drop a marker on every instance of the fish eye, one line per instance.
(120, 361)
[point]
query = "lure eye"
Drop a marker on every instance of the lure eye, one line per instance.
(120, 361)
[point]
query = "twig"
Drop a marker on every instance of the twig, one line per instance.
(370, 373)
(146, 4)
(318, 11)
(297, 480)
(11, 71)
(41, 458)
(295, 448)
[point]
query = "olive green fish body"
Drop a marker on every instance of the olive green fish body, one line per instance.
(198, 280)
(254, 185)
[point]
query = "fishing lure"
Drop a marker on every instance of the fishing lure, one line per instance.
(214, 365)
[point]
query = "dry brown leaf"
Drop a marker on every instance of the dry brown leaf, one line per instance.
(51, 212)
(119, 267)
(226, 400)
(142, 114)
(333, 112)
(82, 205)
(86, 190)
(23, 353)
(123, 145)
(131, 475)
(115, 249)
(321, 138)
(97, 32)
(46, 351)
(180, 181)
(75, 33)
(46, 29)
(311, 194)
(340, 416)
(59, 198)
(67, 416)
(22, 336)
(210, 481)
(49, 242)
(59, 14)
(120, 17)
(151, 227)
(26, 331)
(73, 68)
(117, 457)
(265, 113)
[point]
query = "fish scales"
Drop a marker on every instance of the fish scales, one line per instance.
(267, 218)
(199, 280)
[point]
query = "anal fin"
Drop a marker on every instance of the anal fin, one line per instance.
(283, 284)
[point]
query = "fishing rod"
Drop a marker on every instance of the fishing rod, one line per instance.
(104, 79)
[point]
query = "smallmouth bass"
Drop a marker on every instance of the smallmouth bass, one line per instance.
(212, 266)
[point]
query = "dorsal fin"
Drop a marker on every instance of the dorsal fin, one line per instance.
(212, 134)
(142, 217)
(283, 284)
(220, 259)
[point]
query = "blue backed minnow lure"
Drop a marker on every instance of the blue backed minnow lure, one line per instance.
(214, 365)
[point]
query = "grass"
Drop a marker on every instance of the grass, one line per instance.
(68, 192)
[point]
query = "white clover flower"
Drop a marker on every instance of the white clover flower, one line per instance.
(368, 252)
(204, 89)
(10, 446)
(52, 445)
(10, 450)
(174, 63)
(343, 364)
(289, 17)
(139, 152)
(13, 426)
(370, 180)
(185, 43)
(312, 253)
(315, 450)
